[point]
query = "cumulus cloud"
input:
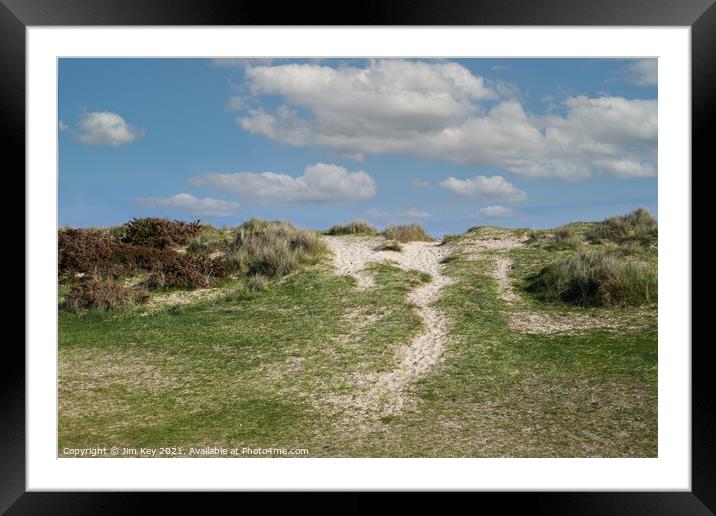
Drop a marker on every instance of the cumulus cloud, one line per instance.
(320, 183)
(105, 128)
(385, 98)
(441, 110)
(187, 203)
(496, 212)
(643, 72)
(483, 187)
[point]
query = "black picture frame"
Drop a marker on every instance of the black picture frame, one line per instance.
(700, 15)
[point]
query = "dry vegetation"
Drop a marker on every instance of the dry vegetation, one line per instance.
(597, 277)
(355, 227)
(103, 296)
(407, 233)
(177, 255)
(638, 227)
(273, 248)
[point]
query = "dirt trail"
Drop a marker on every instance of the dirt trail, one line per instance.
(382, 394)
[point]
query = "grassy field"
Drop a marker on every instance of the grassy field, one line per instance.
(239, 365)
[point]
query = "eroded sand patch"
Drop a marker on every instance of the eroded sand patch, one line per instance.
(382, 394)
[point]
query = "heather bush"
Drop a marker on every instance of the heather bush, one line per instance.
(90, 252)
(159, 233)
(187, 271)
(93, 294)
(82, 251)
(597, 277)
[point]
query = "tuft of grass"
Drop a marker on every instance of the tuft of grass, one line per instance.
(564, 239)
(210, 240)
(248, 288)
(407, 233)
(637, 227)
(356, 227)
(273, 248)
(389, 245)
(597, 277)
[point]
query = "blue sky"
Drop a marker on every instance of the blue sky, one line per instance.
(446, 143)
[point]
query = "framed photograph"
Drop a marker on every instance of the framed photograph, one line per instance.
(443, 249)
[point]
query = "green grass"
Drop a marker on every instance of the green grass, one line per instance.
(356, 227)
(504, 393)
(239, 370)
(257, 364)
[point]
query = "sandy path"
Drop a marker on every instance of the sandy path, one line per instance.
(383, 393)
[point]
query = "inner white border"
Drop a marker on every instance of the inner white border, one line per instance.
(672, 468)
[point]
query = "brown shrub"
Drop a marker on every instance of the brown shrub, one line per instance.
(90, 252)
(103, 296)
(187, 271)
(159, 233)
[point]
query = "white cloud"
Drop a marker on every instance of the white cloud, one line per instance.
(405, 213)
(388, 96)
(105, 128)
(643, 72)
(608, 121)
(189, 204)
(416, 182)
(483, 187)
(625, 168)
(441, 110)
(320, 183)
(63, 126)
(496, 212)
